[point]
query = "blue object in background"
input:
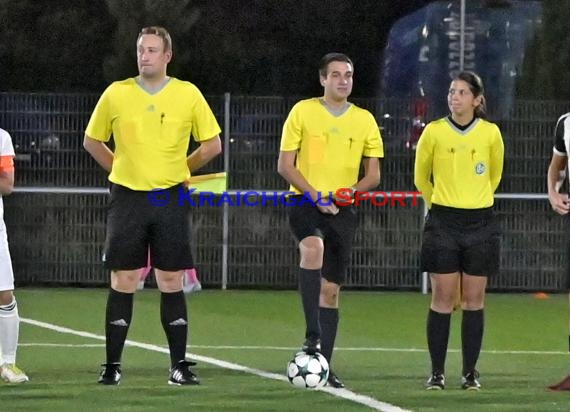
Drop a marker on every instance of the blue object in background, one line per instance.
(422, 52)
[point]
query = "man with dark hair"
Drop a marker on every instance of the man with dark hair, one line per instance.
(151, 118)
(324, 142)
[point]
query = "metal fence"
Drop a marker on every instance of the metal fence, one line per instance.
(57, 237)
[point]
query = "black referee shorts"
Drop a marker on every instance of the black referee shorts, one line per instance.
(134, 225)
(461, 240)
(337, 232)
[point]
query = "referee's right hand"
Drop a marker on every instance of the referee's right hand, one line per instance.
(559, 202)
(326, 208)
(324, 204)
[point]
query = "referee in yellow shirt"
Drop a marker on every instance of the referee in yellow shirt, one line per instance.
(151, 118)
(324, 142)
(458, 167)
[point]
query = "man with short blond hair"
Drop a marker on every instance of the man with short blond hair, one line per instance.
(151, 118)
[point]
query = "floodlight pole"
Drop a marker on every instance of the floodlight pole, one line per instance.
(226, 210)
(425, 275)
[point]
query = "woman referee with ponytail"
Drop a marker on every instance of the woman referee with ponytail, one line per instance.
(458, 167)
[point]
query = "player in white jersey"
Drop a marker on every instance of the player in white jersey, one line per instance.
(9, 318)
(560, 202)
(558, 165)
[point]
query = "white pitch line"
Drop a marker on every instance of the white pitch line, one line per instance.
(63, 345)
(373, 349)
(285, 348)
(341, 393)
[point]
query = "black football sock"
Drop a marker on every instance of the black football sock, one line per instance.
(438, 337)
(472, 326)
(174, 318)
(117, 321)
(329, 325)
(310, 288)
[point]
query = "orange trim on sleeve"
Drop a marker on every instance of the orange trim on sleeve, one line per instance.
(6, 163)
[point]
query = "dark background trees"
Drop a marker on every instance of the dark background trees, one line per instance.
(264, 47)
(53, 45)
(546, 73)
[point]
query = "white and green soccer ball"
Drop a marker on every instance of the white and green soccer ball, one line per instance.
(308, 371)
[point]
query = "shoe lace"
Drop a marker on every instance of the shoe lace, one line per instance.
(472, 376)
(110, 369)
(437, 377)
(14, 369)
(184, 367)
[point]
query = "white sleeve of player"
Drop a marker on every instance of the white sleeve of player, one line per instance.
(6, 146)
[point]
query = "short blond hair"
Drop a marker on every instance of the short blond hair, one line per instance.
(160, 32)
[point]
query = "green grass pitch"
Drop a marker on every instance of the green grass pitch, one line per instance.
(381, 354)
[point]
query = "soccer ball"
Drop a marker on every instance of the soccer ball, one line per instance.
(308, 371)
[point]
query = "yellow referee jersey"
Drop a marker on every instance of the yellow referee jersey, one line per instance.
(151, 131)
(330, 148)
(464, 166)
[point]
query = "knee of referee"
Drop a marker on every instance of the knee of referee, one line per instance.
(473, 296)
(312, 250)
(125, 281)
(443, 301)
(472, 299)
(169, 282)
(329, 294)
